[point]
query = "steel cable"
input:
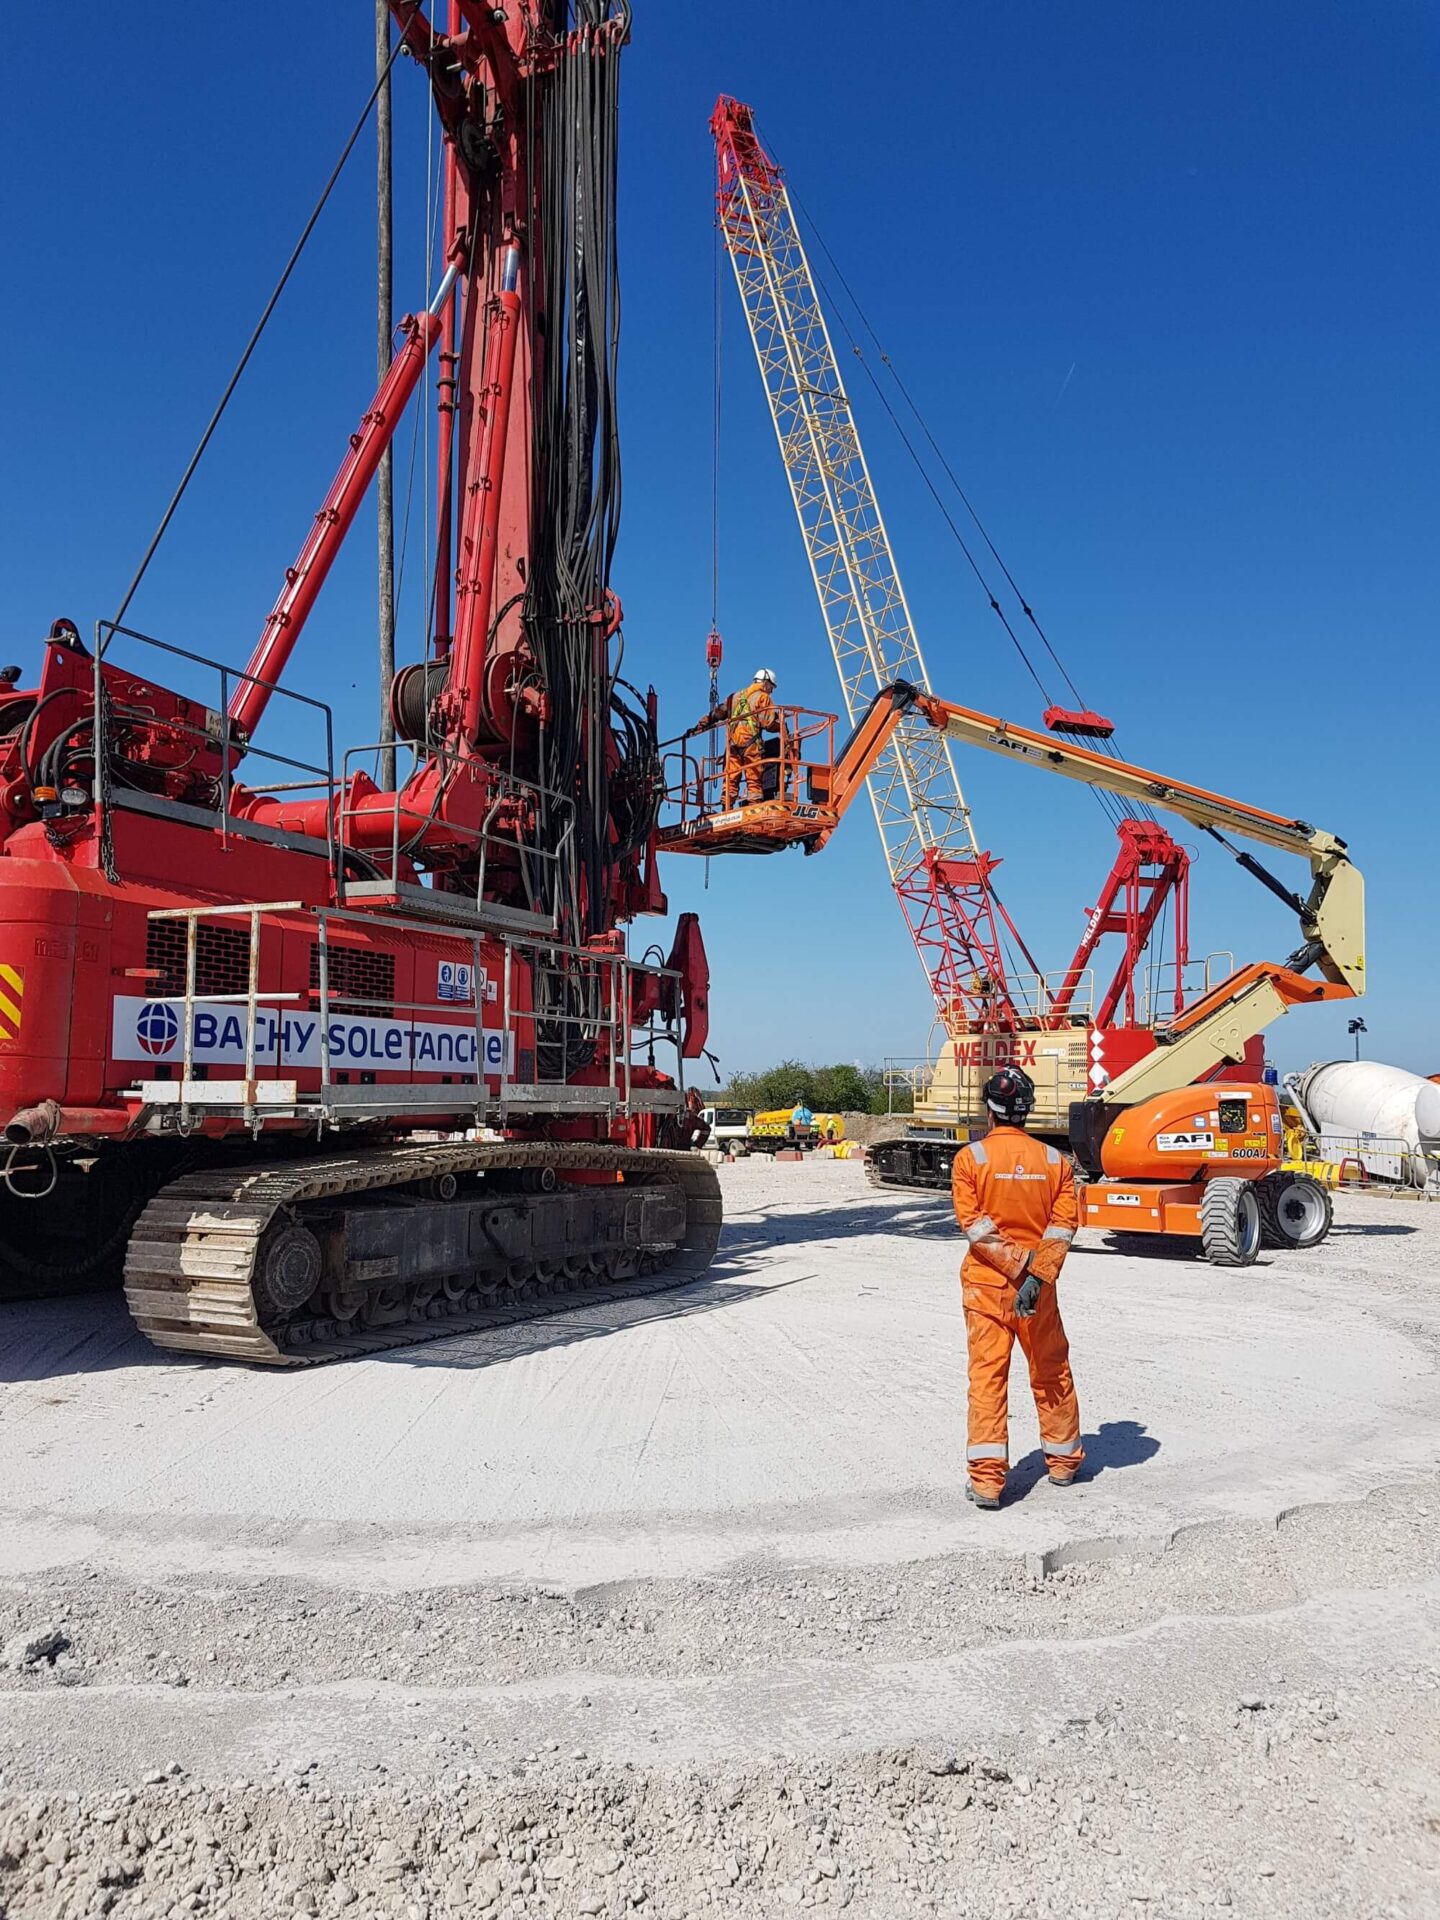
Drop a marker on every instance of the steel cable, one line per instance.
(254, 340)
(1114, 809)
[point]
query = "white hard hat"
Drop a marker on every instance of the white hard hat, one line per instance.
(764, 673)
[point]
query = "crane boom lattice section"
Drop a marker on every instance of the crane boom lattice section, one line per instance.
(936, 866)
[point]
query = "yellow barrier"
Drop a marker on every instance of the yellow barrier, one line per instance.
(1327, 1172)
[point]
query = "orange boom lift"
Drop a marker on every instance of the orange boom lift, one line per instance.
(1167, 1150)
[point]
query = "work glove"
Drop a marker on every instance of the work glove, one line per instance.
(1028, 1296)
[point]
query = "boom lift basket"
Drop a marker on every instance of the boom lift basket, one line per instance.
(707, 807)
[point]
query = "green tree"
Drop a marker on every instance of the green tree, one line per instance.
(840, 1088)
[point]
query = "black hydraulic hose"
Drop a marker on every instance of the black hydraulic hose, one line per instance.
(28, 729)
(1263, 874)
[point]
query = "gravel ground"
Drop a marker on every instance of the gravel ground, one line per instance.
(1188, 1690)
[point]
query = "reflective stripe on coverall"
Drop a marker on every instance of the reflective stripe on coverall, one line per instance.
(752, 712)
(1015, 1196)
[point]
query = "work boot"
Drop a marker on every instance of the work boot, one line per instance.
(987, 1502)
(1063, 1479)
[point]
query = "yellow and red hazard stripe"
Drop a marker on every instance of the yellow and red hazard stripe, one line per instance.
(12, 1001)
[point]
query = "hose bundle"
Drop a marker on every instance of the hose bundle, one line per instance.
(599, 754)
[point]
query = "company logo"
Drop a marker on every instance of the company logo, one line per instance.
(157, 1027)
(1185, 1142)
(995, 1053)
(147, 1029)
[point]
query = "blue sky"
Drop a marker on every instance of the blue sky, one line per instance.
(1163, 281)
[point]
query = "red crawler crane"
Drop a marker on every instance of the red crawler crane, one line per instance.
(204, 973)
(992, 1011)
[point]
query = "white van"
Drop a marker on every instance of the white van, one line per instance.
(729, 1128)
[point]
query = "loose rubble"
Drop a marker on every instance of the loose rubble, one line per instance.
(1114, 1819)
(34, 1647)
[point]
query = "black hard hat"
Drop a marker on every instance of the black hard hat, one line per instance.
(1010, 1094)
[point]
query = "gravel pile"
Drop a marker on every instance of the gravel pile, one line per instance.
(1180, 1795)
(275, 1633)
(1288, 1806)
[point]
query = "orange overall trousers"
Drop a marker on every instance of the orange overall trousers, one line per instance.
(1015, 1202)
(752, 713)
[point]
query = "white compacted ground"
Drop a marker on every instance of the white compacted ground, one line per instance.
(679, 1606)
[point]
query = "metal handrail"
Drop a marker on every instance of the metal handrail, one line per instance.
(1418, 1174)
(510, 786)
(227, 744)
(609, 1013)
(700, 772)
(1154, 1003)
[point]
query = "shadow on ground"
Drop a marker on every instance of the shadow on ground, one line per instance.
(1358, 1230)
(1116, 1444)
(53, 1340)
(570, 1326)
(914, 1219)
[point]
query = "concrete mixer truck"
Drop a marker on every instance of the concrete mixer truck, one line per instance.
(1384, 1120)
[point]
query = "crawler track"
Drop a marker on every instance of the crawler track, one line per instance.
(191, 1265)
(910, 1165)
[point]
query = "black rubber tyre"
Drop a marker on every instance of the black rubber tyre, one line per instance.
(1295, 1211)
(1230, 1223)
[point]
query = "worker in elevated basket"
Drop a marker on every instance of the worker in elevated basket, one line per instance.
(750, 713)
(1015, 1202)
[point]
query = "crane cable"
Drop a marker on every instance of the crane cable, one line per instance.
(1004, 943)
(254, 339)
(1108, 803)
(1114, 809)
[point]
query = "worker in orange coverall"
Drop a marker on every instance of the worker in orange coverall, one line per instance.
(749, 714)
(1015, 1202)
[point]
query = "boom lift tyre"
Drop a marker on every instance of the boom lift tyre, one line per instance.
(1230, 1223)
(1295, 1211)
